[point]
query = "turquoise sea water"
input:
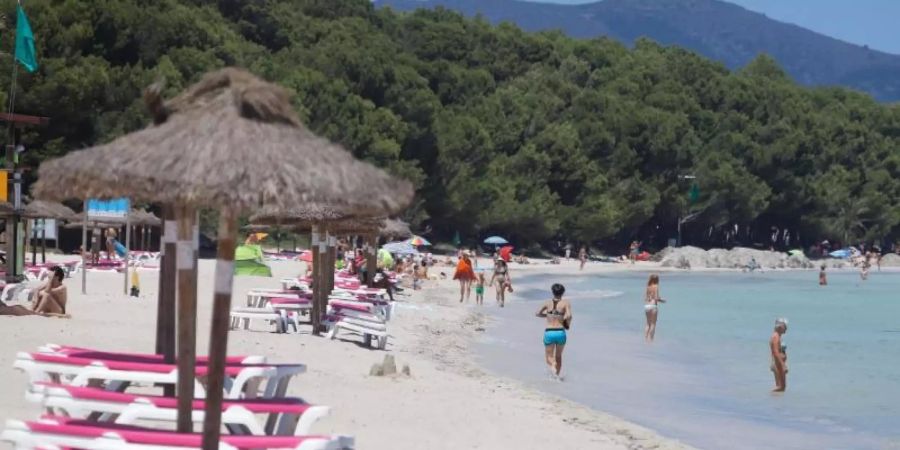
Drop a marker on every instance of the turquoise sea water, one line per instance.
(706, 379)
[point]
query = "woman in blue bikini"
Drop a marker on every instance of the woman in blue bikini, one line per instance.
(559, 317)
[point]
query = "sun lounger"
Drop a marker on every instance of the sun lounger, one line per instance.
(241, 317)
(242, 381)
(82, 352)
(91, 435)
(357, 320)
(284, 416)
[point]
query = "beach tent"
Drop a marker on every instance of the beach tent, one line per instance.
(248, 260)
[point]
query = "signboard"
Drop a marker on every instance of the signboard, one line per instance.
(48, 226)
(108, 209)
(4, 186)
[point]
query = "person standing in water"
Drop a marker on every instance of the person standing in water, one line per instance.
(651, 306)
(582, 256)
(558, 313)
(823, 279)
(779, 355)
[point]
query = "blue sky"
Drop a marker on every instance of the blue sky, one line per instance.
(864, 22)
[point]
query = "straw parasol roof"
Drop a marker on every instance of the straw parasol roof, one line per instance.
(41, 209)
(396, 228)
(231, 140)
(141, 217)
(6, 209)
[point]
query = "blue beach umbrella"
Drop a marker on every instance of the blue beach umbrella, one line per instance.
(496, 240)
(841, 254)
(400, 248)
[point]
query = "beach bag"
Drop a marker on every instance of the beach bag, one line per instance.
(509, 287)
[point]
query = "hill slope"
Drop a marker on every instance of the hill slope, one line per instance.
(716, 29)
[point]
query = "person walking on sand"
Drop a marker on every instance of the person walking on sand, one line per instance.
(559, 318)
(778, 348)
(582, 256)
(823, 279)
(502, 279)
(651, 306)
(465, 275)
(479, 289)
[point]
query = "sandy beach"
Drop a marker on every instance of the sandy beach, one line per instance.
(447, 403)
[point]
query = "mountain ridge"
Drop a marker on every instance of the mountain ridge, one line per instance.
(716, 29)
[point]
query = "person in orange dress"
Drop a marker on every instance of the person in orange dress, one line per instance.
(465, 275)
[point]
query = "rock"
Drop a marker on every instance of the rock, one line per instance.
(376, 371)
(890, 260)
(405, 371)
(685, 258)
(389, 366)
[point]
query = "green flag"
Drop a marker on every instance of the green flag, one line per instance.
(694, 193)
(25, 41)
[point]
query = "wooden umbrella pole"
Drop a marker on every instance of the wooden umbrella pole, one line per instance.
(371, 259)
(218, 337)
(165, 309)
(44, 242)
(332, 258)
(316, 318)
(325, 272)
(187, 314)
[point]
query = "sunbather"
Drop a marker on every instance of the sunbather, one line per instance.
(52, 296)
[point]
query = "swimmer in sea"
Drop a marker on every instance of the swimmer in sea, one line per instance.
(559, 318)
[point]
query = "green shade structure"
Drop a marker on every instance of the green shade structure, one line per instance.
(248, 261)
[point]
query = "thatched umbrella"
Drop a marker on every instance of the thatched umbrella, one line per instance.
(322, 222)
(232, 142)
(41, 209)
(395, 229)
(145, 220)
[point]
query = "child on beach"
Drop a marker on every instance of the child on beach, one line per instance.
(479, 289)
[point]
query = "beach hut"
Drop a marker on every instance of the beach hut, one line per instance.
(232, 142)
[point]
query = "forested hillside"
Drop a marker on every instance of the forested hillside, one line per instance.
(716, 29)
(534, 136)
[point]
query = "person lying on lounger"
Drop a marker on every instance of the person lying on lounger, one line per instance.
(52, 296)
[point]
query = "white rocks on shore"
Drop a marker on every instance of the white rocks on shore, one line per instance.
(736, 258)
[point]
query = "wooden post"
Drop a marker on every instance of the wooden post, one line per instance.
(127, 247)
(29, 232)
(84, 251)
(218, 337)
(187, 314)
(44, 241)
(329, 270)
(316, 318)
(371, 259)
(165, 305)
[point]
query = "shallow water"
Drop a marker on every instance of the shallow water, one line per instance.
(706, 379)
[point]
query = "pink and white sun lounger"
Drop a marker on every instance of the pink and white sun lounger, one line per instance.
(93, 436)
(241, 380)
(82, 352)
(357, 318)
(284, 416)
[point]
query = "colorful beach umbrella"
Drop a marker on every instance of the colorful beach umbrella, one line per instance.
(506, 253)
(418, 241)
(496, 240)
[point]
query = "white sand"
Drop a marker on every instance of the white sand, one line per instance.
(448, 403)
